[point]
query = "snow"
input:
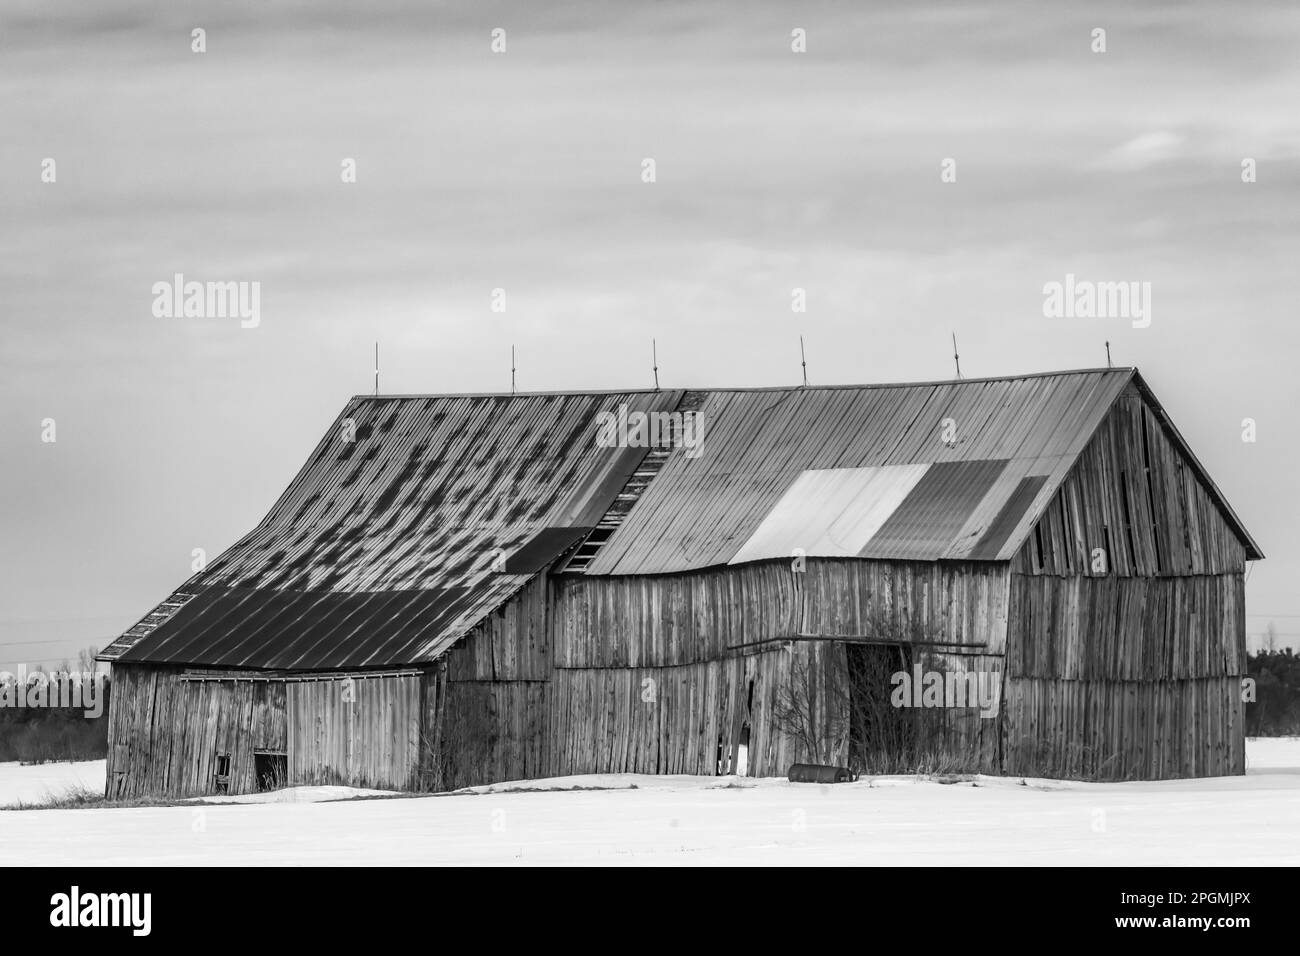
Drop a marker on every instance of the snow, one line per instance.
(1273, 753)
(21, 784)
(300, 795)
(39, 782)
(646, 820)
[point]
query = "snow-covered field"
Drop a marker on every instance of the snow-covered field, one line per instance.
(645, 820)
(19, 784)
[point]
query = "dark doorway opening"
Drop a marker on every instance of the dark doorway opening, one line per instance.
(271, 770)
(882, 737)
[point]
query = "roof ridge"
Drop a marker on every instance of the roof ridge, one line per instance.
(399, 396)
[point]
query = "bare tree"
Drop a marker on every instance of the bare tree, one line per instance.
(812, 704)
(86, 663)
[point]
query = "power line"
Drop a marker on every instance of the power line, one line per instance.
(70, 640)
(43, 660)
(83, 641)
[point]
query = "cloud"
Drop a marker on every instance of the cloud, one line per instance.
(1146, 150)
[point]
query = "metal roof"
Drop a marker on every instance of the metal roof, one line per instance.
(415, 517)
(415, 520)
(760, 488)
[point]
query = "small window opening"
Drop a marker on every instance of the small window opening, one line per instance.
(222, 780)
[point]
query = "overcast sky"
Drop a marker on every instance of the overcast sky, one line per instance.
(523, 171)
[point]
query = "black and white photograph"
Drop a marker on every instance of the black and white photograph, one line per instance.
(649, 434)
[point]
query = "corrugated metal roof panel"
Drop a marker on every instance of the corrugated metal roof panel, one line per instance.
(701, 512)
(318, 630)
(831, 512)
(413, 497)
(989, 508)
(1013, 509)
(927, 521)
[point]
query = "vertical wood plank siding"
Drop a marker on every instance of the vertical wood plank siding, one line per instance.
(1132, 494)
(372, 740)
(676, 719)
(491, 731)
(511, 643)
(1125, 730)
(487, 711)
(645, 677)
(1131, 670)
(165, 732)
(1127, 628)
(655, 621)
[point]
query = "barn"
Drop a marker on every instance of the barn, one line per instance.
(1028, 575)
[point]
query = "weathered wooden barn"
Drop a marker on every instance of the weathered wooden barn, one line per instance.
(463, 589)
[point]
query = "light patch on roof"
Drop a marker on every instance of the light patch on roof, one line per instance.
(831, 512)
